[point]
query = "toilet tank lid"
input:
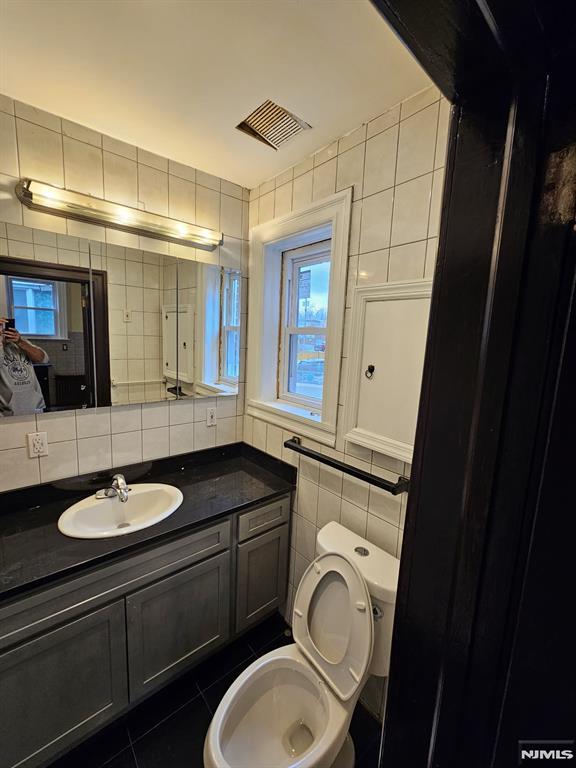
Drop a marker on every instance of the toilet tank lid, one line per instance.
(379, 569)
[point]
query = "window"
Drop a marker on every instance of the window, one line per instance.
(305, 281)
(298, 270)
(230, 283)
(38, 307)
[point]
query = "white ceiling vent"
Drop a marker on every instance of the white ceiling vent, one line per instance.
(272, 124)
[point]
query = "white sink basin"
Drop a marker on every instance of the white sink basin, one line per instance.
(92, 518)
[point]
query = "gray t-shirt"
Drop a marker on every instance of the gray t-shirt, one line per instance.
(20, 392)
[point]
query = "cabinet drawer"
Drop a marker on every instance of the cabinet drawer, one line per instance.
(53, 605)
(61, 686)
(263, 518)
(176, 621)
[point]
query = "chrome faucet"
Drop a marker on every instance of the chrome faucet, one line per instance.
(117, 488)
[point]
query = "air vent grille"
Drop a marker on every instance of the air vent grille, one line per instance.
(272, 124)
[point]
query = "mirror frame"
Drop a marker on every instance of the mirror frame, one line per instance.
(97, 313)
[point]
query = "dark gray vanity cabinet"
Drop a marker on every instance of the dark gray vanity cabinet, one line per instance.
(262, 562)
(176, 621)
(79, 652)
(61, 685)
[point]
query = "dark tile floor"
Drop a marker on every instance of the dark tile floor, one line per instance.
(168, 729)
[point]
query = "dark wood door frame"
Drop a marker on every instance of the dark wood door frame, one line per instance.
(500, 303)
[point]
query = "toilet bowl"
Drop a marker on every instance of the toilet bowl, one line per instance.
(279, 713)
(292, 707)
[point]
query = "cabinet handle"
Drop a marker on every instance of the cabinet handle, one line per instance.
(369, 372)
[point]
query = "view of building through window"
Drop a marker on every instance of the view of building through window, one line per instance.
(306, 283)
(35, 306)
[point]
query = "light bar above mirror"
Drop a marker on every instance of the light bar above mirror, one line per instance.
(39, 196)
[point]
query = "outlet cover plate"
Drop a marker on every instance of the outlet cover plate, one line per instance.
(37, 444)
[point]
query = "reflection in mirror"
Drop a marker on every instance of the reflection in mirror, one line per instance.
(142, 315)
(208, 328)
(48, 356)
(164, 327)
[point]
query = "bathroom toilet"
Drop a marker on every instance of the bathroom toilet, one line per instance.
(292, 707)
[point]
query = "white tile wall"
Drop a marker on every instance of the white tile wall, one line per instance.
(102, 438)
(44, 146)
(395, 164)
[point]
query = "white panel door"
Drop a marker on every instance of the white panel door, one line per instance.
(394, 342)
(389, 328)
(169, 347)
(186, 343)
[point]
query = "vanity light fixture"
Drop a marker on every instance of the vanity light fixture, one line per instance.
(39, 196)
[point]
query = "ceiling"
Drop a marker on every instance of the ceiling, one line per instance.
(176, 76)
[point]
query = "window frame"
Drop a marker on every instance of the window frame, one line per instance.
(322, 219)
(292, 260)
(225, 327)
(60, 311)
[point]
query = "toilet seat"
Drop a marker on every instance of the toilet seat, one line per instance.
(332, 622)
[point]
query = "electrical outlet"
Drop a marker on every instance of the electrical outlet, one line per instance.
(37, 444)
(210, 417)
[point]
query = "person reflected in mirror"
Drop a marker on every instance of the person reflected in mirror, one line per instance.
(20, 391)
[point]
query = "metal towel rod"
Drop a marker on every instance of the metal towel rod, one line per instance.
(401, 486)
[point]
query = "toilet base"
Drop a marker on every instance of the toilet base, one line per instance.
(345, 758)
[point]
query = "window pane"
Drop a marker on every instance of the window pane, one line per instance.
(231, 311)
(35, 321)
(232, 354)
(306, 364)
(31, 293)
(312, 294)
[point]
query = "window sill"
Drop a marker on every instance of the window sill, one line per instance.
(293, 418)
(45, 338)
(217, 388)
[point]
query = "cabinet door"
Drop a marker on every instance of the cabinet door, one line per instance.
(62, 685)
(262, 573)
(389, 326)
(176, 621)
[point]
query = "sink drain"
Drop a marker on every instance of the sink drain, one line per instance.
(123, 525)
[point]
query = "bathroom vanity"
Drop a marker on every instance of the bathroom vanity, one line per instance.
(88, 628)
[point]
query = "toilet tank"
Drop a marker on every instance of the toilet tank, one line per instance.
(380, 572)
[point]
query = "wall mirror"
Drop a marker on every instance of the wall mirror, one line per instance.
(117, 325)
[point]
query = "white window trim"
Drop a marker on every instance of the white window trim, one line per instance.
(207, 354)
(321, 220)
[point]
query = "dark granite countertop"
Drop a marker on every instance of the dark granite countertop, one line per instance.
(33, 552)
